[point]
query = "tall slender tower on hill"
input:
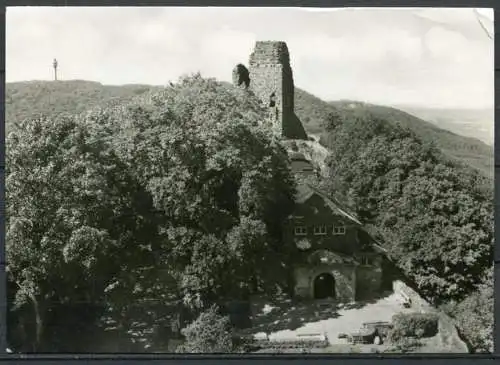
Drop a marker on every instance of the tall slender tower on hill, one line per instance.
(271, 80)
(54, 64)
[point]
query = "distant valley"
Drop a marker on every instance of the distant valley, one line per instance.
(475, 123)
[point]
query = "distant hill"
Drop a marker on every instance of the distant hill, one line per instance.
(467, 149)
(476, 123)
(29, 99)
(312, 111)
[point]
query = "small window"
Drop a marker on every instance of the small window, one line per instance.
(366, 261)
(300, 231)
(320, 230)
(338, 230)
(272, 100)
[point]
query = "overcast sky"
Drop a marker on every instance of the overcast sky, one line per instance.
(426, 57)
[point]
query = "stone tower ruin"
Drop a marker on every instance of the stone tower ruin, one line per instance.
(271, 80)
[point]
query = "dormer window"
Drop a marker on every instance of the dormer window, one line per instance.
(300, 231)
(338, 230)
(320, 230)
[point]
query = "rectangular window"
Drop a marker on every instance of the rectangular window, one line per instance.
(300, 231)
(320, 230)
(338, 230)
(366, 261)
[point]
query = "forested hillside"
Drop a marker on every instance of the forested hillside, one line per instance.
(121, 219)
(433, 215)
(180, 191)
(26, 99)
(414, 187)
(314, 111)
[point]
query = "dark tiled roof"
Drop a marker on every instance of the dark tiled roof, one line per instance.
(306, 191)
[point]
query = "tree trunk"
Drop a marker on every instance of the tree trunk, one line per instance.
(38, 323)
(38, 320)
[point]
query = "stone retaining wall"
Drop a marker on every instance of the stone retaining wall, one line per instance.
(417, 302)
(448, 334)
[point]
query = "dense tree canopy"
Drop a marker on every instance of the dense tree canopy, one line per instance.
(217, 175)
(176, 197)
(434, 216)
(71, 216)
(143, 214)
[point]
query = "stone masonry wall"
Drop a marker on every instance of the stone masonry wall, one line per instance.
(417, 302)
(449, 337)
(344, 275)
(264, 81)
(271, 80)
(368, 281)
(241, 76)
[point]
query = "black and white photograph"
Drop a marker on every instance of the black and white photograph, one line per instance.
(218, 180)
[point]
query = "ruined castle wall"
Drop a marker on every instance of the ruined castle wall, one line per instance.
(264, 81)
(271, 79)
(241, 76)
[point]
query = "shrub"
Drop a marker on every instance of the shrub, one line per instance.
(405, 345)
(395, 335)
(474, 316)
(252, 345)
(416, 325)
(245, 344)
(209, 333)
(299, 344)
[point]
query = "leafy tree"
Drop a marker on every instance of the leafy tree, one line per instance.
(219, 178)
(209, 333)
(139, 210)
(431, 213)
(71, 224)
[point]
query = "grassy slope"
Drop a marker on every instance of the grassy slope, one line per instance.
(28, 99)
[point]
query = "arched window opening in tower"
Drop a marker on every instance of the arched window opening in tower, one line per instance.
(272, 100)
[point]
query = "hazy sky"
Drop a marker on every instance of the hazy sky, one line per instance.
(432, 57)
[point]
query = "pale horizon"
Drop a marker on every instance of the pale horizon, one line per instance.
(436, 58)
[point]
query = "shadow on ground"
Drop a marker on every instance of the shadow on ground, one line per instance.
(282, 313)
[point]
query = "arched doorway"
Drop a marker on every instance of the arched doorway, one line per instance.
(324, 286)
